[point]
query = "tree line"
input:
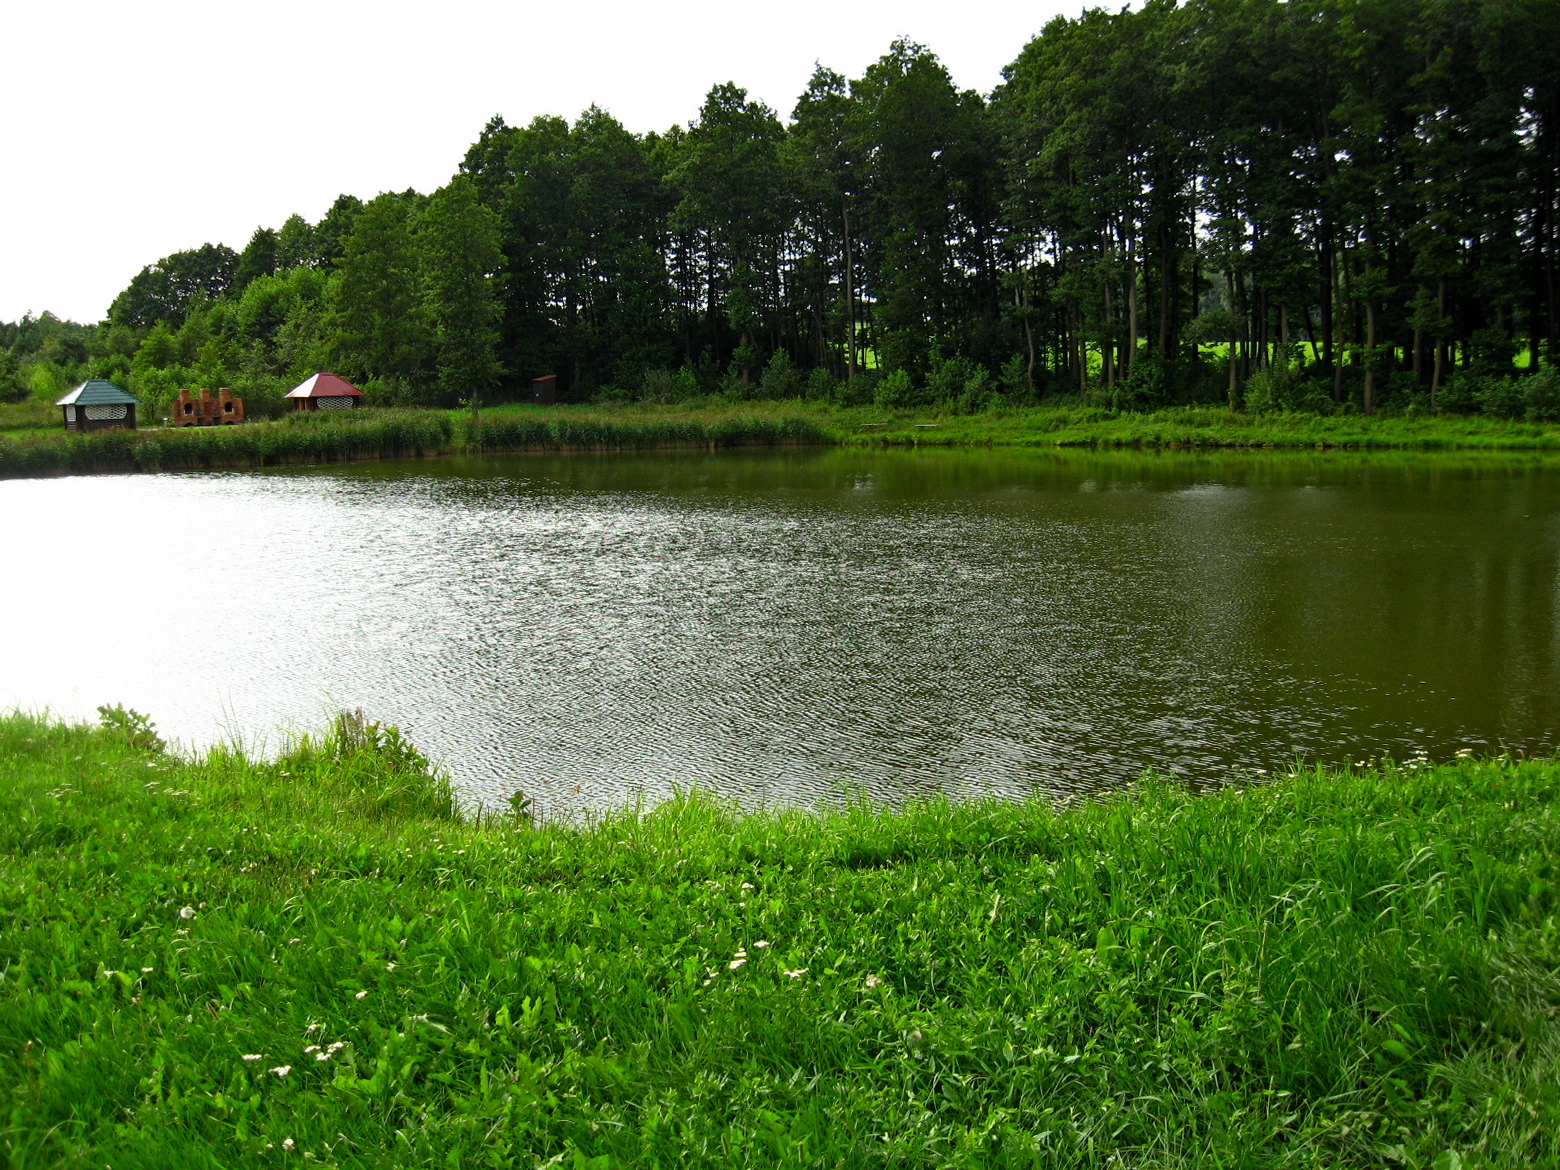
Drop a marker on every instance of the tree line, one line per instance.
(1300, 204)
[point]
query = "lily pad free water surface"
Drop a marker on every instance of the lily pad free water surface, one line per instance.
(789, 628)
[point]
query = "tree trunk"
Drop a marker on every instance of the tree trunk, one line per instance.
(1440, 344)
(850, 300)
(1335, 304)
(1132, 313)
(1164, 298)
(1029, 333)
(1107, 366)
(1370, 357)
(1328, 295)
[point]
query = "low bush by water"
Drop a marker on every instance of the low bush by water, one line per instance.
(228, 961)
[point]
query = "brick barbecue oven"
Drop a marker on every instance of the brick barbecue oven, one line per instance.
(210, 409)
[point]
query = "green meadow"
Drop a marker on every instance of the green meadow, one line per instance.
(223, 961)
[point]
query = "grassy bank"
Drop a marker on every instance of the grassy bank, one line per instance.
(226, 962)
(1072, 426)
(379, 434)
(1049, 426)
(1068, 426)
(386, 434)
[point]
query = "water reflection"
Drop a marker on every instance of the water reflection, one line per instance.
(789, 627)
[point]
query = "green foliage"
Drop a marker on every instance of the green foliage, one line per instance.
(459, 255)
(167, 290)
(895, 389)
(227, 960)
(136, 729)
(781, 378)
(259, 258)
(1534, 398)
(13, 387)
(822, 386)
(379, 325)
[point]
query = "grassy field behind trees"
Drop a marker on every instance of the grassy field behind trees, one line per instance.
(1313, 205)
(224, 961)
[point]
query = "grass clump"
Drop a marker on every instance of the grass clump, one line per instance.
(224, 961)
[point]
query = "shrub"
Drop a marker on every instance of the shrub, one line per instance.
(894, 389)
(659, 386)
(1145, 386)
(1013, 381)
(1533, 397)
(822, 386)
(781, 378)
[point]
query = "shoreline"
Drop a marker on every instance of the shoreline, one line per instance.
(397, 434)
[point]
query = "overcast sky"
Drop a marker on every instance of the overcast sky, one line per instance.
(139, 129)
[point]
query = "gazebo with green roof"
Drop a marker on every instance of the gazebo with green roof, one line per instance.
(98, 405)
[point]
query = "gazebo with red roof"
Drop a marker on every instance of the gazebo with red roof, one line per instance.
(326, 392)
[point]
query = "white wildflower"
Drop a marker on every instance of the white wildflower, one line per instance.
(872, 981)
(311, 1048)
(361, 995)
(147, 970)
(797, 974)
(253, 1056)
(288, 1145)
(187, 912)
(280, 1070)
(734, 964)
(761, 944)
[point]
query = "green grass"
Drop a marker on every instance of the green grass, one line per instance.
(1343, 969)
(1048, 426)
(381, 434)
(1190, 426)
(385, 434)
(31, 415)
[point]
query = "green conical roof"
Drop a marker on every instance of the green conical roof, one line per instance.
(97, 392)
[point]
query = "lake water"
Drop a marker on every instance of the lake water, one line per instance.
(595, 630)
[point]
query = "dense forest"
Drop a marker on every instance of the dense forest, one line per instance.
(1309, 204)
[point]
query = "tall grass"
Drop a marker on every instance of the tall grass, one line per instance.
(560, 431)
(310, 439)
(378, 434)
(225, 961)
(1187, 426)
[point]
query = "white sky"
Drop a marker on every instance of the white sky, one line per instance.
(138, 129)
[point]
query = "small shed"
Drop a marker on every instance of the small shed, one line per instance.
(208, 410)
(545, 389)
(326, 392)
(99, 405)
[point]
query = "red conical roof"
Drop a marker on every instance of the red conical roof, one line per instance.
(324, 385)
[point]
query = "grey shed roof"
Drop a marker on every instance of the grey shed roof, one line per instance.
(97, 392)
